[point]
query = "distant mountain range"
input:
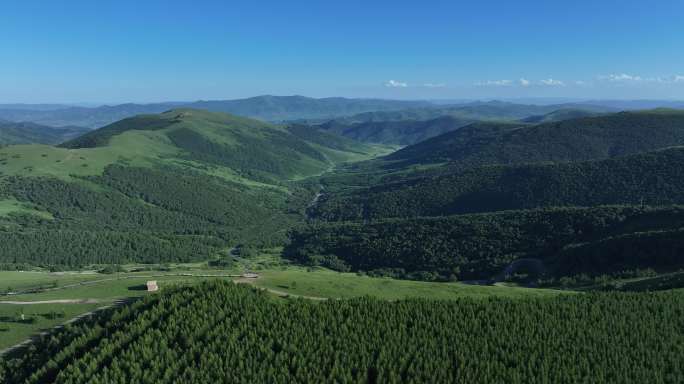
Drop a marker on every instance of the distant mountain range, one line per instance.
(270, 108)
(312, 110)
(411, 126)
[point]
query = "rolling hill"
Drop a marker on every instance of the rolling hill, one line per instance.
(424, 212)
(410, 126)
(560, 115)
(403, 132)
(479, 110)
(581, 139)
(178, 186)
(654, 178)
(567, 242)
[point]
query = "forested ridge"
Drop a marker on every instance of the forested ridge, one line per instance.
(654, 178)
(134, 214)
(183, 185)
(422, 212)
(252, 148)
(403, 132)
(219, 332)
(582, 139)
(480, 246)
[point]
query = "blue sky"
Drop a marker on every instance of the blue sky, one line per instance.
(144, 51)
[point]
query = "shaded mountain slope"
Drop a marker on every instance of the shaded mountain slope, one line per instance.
(30, 133)
(571, 140)
(654, 178)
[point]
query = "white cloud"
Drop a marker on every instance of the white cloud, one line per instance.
(581, 83)
(495, 83)
(524, 82)
(552, 83)
(626, 78)
(434, 85)
(621, 77)
(396, 84)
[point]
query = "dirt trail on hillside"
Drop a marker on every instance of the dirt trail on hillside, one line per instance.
(276, 292)
(60, 301)
(31, 339)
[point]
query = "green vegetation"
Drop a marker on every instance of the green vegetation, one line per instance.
(655, 178)
(480, 214)
(398, 216)
(243, 145)
(181, 186)
(12, 206)
(30, 133)
(592, 241)
(477, 111)
(69, 294)
(221, 331)
(323, 283)
(583, 139)
(560, 115)
(12, 281)
(402, 132)
(654, 283)
(58, 298)
(37, 318)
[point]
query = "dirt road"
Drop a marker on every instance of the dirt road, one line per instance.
(61, 301)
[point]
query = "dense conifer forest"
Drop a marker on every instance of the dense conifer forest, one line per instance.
(654, 178)
(569, 241)
(222, 332)
(141, 215)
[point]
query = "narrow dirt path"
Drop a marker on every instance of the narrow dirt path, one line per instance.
(276, 292)
(90, 282)
(60, 301)
(30, 340)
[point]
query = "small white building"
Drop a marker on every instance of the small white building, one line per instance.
(152, 286)
(250, 275)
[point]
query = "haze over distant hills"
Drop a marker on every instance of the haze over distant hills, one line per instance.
(282, 108)
(270, 108)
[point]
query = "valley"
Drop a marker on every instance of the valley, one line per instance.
(571, 210)
(358, 192)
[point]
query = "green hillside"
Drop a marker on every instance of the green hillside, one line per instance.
(184, 185)
(654, 178)
(223, 332)
(567, 241)
(31, 133)
(489, 110)
(419, 213)
(410, 126)
(560, 115)
(403, 132)
(571, 140)
(251, 148)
